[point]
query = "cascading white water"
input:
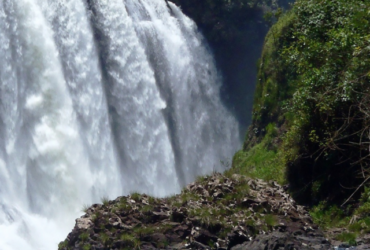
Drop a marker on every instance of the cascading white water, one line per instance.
(99, 99)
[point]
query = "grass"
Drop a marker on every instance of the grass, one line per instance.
(328, 217)
(350, 238)
(187, 196)
(334, 217)
(94, 217)
(261, 161)
(130, 241)
(63, 245)
(105, 200)
(207, 218)
(146, 208)
(85, 207)
(152, 200)
(135, 196)
(270, 220)
(123, 206)
(105, 239)
(84, 236)
(142, 231)
(86, 247)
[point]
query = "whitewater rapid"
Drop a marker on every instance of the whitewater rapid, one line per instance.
(100, 98)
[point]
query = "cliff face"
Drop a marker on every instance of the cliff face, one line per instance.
(313, 90)
(235, 31)
(310, 124)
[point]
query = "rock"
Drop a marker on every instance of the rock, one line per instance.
(207, 215)
(182, 231)
(198, 245)
(158, 216)
(178, 216)
(204, 236)
(236, 238)
(83, 223)
(278, 240)
(179, 246)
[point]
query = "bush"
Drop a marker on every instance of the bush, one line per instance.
(313, 83)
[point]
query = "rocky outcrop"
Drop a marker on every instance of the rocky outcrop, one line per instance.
(217, 212)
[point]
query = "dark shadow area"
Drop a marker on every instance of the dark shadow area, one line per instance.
(235, 31)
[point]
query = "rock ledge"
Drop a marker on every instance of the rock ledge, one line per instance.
(216, 212)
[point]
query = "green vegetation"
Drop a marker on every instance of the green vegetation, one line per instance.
(313, 84)
(261, 160)
(328, 136)
(85, 207)
(130, 241)
(63, 245)
(86, 247)
(84, 236)
(270, 220)
(105, 239)
(135, 196)
(329, 216)
(311, 112)
(350, 238)
(273, 87)
(105, 200)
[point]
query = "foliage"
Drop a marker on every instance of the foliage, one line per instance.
(330, 103)
(86, 247)
(329, 216)
(84, 236)
(313, 83)
(350, 219)
(105, 200)
(350, 238)
(85, 207)
(105, 238)
(272, 89)
(270, 220)
(262, 160)
(130, 241)
(63, 245)
(135, 196)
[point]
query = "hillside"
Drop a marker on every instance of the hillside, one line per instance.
(216, 212)
(310, 125)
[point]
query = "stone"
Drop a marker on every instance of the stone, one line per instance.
(201, 223)
(83, 223)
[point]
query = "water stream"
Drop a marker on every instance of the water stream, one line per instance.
(99, 99)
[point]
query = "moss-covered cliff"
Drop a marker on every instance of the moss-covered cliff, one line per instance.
(311, 106)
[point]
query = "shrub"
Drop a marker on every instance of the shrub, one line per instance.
(313, 83)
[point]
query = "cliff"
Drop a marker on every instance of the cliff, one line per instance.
(310, 113)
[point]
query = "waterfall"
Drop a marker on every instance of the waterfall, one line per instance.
(99, 99)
